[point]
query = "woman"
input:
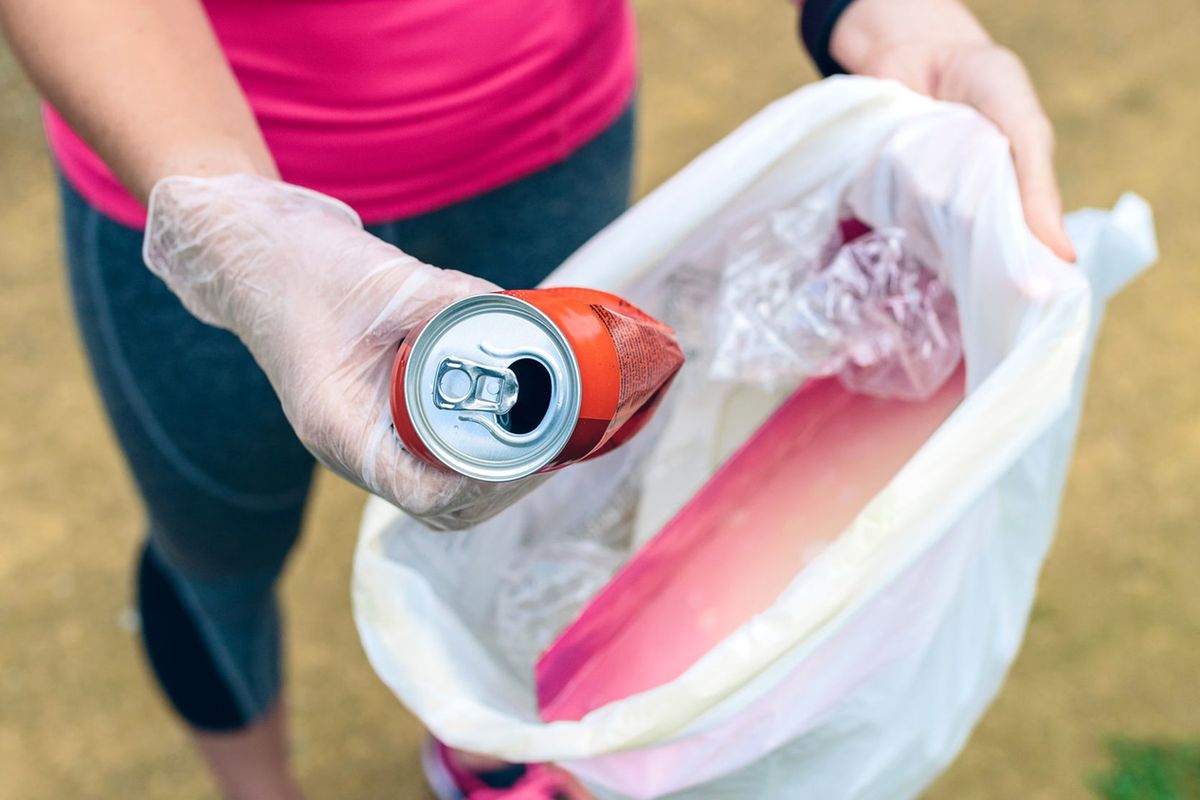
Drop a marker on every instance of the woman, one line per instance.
(491, 137)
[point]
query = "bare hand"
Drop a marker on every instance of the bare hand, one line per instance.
(937, 48)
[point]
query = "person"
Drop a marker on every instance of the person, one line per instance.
(488, 137)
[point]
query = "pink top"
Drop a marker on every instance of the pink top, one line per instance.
(399, 107)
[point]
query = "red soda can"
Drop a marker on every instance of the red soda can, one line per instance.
(499, 386)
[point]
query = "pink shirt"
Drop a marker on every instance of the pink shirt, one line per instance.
(402, 106)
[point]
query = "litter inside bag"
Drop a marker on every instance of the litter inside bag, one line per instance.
(547, 579)
(868, 671)
(796, 295)
(736, 545)
(801, 297)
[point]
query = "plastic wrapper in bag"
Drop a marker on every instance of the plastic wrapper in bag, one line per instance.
(863, 678)
(765, 331)
(548, 578)
(793, 304)
(903, 333)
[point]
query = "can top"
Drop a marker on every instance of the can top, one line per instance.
(492, 387)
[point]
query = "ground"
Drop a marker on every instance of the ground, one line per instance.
(1111, 647)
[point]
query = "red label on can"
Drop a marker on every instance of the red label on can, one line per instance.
(626, 360)
(647, 357)
(626, 363)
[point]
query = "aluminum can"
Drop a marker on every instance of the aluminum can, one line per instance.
(500, 386)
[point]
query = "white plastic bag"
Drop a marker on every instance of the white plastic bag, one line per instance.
(865, 677)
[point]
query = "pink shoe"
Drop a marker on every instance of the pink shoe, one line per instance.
(449, 781)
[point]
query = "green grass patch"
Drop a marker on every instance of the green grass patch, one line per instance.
(1150, 771)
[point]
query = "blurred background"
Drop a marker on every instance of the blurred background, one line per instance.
(1111, 653)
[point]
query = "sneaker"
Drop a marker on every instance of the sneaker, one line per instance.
(449, 781)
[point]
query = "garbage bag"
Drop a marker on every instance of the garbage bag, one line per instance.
(866, 674)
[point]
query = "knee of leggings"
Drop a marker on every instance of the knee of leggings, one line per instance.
(216, 542)
(212, 645)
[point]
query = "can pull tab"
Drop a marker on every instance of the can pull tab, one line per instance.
(463, 385)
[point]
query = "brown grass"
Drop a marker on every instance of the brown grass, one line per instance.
(1112, 646)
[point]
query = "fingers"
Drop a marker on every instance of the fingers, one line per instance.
(393, 473)
(1033, 157)
(995, 82)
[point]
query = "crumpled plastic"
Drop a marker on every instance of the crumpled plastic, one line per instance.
(795, 301)
(547, 578)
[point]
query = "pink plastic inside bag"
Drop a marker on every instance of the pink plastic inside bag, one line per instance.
(793, 487)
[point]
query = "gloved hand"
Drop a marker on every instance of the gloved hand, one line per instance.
(322, 305)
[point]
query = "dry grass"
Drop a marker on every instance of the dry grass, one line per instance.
(1111, 648)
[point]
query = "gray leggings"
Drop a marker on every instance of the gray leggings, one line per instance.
(222, 475)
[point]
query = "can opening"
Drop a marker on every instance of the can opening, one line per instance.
(533, 396)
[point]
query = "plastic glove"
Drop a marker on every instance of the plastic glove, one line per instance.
(322, 305)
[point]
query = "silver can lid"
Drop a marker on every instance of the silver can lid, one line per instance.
(492, 387)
